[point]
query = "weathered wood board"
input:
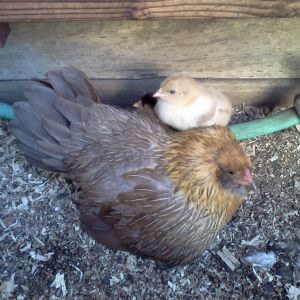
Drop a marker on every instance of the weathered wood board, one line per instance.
(16, 10)
(124, 92)
(227, 49)
(247, 58)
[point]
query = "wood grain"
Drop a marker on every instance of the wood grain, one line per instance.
(220, 49)
(4, 32)
(85, 10)
(125, 92)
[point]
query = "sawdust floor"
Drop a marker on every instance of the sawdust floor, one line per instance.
(46, 255)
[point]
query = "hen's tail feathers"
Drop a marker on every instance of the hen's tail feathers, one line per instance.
(46, 126)
(68, 83)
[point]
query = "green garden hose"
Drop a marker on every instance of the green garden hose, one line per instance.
(250, 129)
(6, 111)
(266, 125)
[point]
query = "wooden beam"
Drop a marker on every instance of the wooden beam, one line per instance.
(125, 92)
(22, 10)
(4, 32)
(224, 49)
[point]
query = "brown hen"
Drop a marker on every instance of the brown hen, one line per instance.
(145, 190)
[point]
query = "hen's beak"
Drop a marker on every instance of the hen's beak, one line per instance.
(249, 181)
(159, 94)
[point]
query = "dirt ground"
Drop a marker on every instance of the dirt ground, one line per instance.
(46, 255)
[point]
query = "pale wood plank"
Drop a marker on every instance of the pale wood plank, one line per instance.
(125, 92)
(16, 10)
(225, 49)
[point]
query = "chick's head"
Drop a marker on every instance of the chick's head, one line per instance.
(179, 89)
(209, 166)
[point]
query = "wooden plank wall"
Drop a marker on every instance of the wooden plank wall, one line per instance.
(16, 10)
(250, 59)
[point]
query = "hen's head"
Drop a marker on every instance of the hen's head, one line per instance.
(209, 165)
(179, 89)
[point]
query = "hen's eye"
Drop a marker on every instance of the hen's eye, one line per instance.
(231, 172)
(172, 91)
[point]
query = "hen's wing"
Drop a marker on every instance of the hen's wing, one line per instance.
(147, 218)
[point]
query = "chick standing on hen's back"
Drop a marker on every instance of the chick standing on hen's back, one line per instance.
(184, 103)
(146, 190)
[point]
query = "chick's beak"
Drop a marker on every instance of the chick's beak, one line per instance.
(159, 94)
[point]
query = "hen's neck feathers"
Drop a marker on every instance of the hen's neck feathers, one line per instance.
(193, 170)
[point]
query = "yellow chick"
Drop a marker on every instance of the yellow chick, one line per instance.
(184, 103)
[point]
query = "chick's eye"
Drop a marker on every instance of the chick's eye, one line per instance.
(172, 91)
(231, 172)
